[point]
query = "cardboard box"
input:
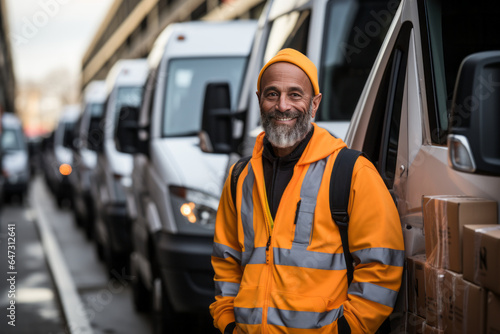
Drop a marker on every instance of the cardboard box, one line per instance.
(469, 309)
(414, 324)
(444, 218)
(449, 298)
(413, 287)
(432, 330)
(493, 315)
(482, 255)
(417, 287)
(434, 291)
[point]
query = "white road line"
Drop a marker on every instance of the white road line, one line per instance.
(74, 312)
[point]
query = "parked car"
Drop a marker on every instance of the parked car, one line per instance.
(58, 159)
(112, 177)
(88, 131)
(15, 159)
(176, 186)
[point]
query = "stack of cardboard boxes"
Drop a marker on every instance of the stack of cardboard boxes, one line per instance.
(455, 286)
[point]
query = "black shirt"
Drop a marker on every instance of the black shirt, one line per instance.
(278, 171)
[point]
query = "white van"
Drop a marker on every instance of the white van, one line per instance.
(112, 177)
(59, 160)
(176, 186)
(86, 132)
(406, 121)
(341, 37)
(428, 115)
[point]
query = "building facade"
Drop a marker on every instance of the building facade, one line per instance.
(131, 27)
(7, 80)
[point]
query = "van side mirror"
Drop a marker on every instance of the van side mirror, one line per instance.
(216, 126)
(474, 139)
(95, 136)
(126, 133)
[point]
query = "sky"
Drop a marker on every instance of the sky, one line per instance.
(47, 35)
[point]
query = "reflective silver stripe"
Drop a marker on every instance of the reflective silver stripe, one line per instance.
(299, 256)
(392, 257)
(374, 293)
(226, 289)
(248, 316)
(308, 194)
(223, 252)
(255, 256)
(247, 214)
(303, 320)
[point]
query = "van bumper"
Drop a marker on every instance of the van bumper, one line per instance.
(186, 269)
(118, 225)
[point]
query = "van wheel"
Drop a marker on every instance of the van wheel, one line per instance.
(140, 294)
(79, 219)
(89, 231)
(99, 249)
(165, 319)
(115, 261)
(60, 202)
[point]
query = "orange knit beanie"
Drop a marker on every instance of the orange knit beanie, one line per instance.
(298, 59)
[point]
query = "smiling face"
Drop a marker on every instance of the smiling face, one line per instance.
(287, 106)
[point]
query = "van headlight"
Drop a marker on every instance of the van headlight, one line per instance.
(193, 207)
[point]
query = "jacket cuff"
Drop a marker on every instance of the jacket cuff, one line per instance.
(343, 326)
(230, 328)
(224, 320)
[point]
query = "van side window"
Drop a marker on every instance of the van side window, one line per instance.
(382, 139)
(354, 32)
(293, 26)
(448, 37)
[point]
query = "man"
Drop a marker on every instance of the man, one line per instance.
(278, 257)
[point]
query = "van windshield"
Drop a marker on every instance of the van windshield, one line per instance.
(185, 90)
(354, 34)
(96, 109)
(12, 140)
(455, 29)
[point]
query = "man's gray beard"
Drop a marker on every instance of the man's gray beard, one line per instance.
(281, 135)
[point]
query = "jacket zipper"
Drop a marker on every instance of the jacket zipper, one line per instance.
(269, 224)
(268, 287)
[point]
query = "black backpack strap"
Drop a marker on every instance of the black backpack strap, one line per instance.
(237, 169)
(340, 188)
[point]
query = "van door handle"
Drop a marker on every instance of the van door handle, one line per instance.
(402, 169)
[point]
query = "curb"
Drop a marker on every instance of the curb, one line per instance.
(72, 306)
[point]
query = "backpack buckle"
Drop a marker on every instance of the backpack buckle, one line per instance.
(341, 218)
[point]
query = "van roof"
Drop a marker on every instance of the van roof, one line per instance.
(127, 72)
(70, 113)
(10, 120)
(95, 92)
(204, 39)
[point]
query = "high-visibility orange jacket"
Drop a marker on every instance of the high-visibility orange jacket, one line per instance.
(289, 275)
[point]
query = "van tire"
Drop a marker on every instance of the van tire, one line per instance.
(165, 319)
(99, 249)
(115, 262)
(141, 296)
